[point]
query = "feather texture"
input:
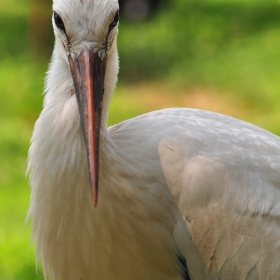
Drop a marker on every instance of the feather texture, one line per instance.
(184, 182)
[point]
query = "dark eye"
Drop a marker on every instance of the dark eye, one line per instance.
(115, 20)
(58, 21)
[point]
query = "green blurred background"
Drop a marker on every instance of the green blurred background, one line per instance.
(221, 55)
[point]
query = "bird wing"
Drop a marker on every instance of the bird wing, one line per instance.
(224, 175)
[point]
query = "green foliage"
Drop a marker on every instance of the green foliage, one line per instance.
(224, 43)
(229, 45)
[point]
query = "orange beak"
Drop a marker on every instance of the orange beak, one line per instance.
(88, 72)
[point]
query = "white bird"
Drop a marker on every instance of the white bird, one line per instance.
(183, 193)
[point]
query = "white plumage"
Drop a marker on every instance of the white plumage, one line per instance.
(175, 182)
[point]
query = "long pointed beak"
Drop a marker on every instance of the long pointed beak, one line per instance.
(88, 72)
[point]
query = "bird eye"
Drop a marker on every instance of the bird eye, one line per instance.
(58, 21)
(115, 20)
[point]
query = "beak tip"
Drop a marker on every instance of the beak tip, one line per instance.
(94, 202)
(95, 196)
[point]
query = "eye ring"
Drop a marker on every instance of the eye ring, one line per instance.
(58, 21)
(115, 20)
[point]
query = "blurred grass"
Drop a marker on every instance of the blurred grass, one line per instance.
(228, 49)
(231, 46)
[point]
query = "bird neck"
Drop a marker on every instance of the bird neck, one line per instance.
(111, 78)
(60, 87)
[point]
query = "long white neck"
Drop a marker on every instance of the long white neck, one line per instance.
(74, 239)
(59, 173)
(57, 156)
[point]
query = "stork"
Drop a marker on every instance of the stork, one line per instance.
(182, 193)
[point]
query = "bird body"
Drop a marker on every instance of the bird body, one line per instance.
(173, 184)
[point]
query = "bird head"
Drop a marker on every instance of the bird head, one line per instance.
(85, 32)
